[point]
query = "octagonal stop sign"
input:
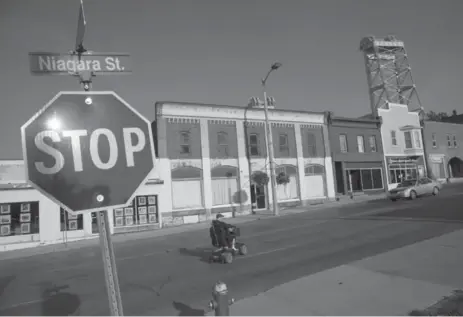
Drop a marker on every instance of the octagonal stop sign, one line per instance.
(88, 150)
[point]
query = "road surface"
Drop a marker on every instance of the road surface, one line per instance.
(170, 275)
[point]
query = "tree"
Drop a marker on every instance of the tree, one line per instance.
(436, 116)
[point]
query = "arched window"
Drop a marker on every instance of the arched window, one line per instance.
(223, 171)
(314, 169)
(186, 172)
(287, 169)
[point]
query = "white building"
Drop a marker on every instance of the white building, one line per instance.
(29, 219)
(402, 143)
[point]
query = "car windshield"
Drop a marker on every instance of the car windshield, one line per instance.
(407, 183)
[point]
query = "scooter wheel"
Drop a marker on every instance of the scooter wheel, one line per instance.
(227, 258)
(243, 249)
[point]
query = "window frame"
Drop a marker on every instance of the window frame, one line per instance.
(411, 139)
(343, 139)
(449, 141)
(454, 139)
(373, 145)
(394, 138)
(311, 148)
(434, 140)
(360, 144)
(417, 139)
(185, 146)
(283, 148)
(223, 146)
(256, 146)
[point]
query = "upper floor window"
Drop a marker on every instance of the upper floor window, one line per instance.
(284, 148)
(343, 143)
(222, 143)
(455, 141)
(417, 139)
(393, 137)
(408, 140)
(185, 146)
(360, 144)
(434, 140)
(311, 145)
(372, 140)
(449, 141)
(254, 144)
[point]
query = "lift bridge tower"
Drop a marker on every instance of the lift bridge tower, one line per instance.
(389, 74)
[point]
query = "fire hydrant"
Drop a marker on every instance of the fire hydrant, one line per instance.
(220, 302)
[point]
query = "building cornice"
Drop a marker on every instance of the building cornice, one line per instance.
(191, 110)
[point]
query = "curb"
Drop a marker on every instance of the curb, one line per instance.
(165, 232)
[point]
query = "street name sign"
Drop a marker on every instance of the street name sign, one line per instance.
(88, 151)
(65, 64)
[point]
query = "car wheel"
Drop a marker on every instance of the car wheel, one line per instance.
(413, 195)
(393, 199)
(435, 191)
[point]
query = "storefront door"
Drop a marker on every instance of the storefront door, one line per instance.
(258, 196)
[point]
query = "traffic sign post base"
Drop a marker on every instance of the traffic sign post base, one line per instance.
(109, 261)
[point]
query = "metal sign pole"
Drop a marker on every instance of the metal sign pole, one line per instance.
(109, 261)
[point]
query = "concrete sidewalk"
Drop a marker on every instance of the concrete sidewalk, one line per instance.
(93, 241)
(393, 283)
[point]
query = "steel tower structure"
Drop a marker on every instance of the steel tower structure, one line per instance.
(389, 74)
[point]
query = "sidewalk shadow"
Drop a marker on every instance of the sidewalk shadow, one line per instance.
(4, 282)
(185, 310)
(202, 253)
(58, 303)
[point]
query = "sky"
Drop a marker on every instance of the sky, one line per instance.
(216, 52)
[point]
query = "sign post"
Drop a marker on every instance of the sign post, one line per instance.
(88, 151)
(109, 261)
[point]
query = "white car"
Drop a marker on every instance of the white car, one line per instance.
(410, 189)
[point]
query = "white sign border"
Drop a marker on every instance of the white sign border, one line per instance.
(89, 93)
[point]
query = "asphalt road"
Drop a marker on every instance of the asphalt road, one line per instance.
(170, 275)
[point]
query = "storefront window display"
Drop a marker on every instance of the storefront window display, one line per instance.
(364, 179)
(19, 218)
(401, 172)
(143, 210)
(71, 222)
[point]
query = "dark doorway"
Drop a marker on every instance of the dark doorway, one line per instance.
(339, 178)
(456, 167)
(354, 180)
(258, 196)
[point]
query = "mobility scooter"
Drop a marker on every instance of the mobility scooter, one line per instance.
(223, 237)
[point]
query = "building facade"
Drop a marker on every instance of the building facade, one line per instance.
(217, 153)
(29, 219)
(357, 153)
(401, 135)
(443, 149)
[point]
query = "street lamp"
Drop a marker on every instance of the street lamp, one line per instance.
(268, 128)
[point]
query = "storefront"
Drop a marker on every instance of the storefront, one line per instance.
(437, 166)
(404, 168)
(29, 219)
(359, 177)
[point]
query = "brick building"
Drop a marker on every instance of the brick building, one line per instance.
(216, 151)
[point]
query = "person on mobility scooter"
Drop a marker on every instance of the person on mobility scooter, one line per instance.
(223, 236)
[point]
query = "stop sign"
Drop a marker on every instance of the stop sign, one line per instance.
(88, 150)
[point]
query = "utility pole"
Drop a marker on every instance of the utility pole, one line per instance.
(273, 181)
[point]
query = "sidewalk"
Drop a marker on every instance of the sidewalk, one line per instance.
(397, 282)
(117, 238)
